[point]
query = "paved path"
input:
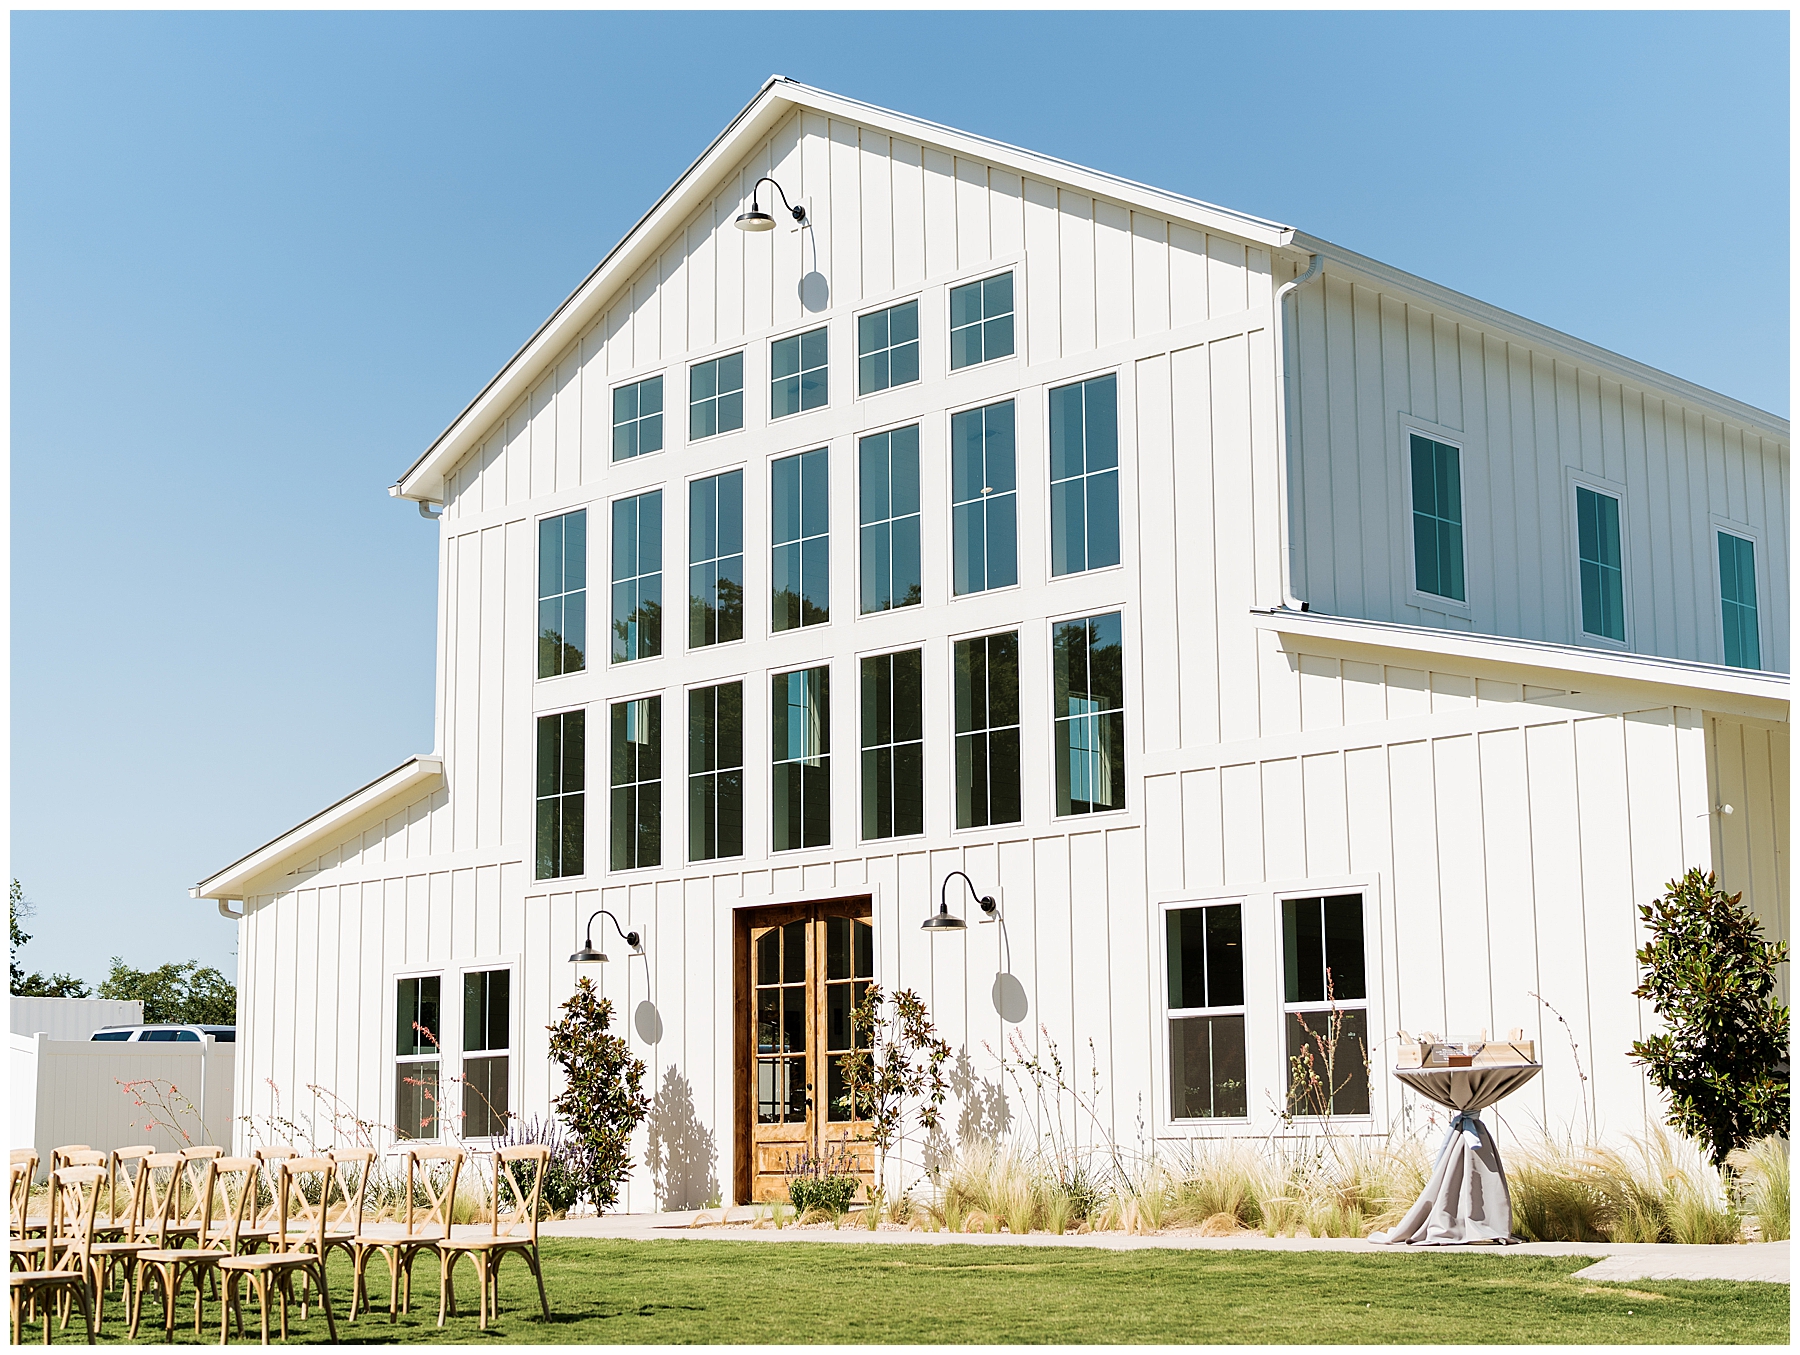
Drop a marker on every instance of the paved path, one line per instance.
(1614, 1260)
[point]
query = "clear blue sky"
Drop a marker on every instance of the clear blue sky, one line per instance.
(259, 261)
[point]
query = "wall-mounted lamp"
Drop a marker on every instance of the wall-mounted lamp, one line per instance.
(944, 920)
(758, 220)
(589, 955)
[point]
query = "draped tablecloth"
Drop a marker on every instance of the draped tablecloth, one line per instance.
(1466, 1199)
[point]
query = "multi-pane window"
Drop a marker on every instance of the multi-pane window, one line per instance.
(637, 783)
(981, 321)
(1737, 600)
(715, 396)
(799, 518)
(797, 373)
(562, 594)
(1602, 563)
(716, 559)
(1089, 705)
(637, 418)
(1325, 1004)
(887, 348)
(849, 969)
(888, 510)
(781, 1024)
(1084, 475)
(1437, 518)
(987, 730)
(716, 772)
(1206, 1013)
(561, 793)
(487, 1045)
(416, 1058)
(893, 748)
(637, 577)
(800, 720)
(984, 502)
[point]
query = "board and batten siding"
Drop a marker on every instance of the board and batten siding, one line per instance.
(1528, 419)
(1748, 770)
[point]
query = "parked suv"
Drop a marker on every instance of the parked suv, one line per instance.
(166, 1034)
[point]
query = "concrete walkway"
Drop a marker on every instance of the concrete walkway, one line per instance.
(1614, 1260)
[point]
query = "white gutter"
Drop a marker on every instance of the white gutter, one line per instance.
(1284, 452)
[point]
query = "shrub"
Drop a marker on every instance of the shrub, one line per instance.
(602, 1101)
(562, 1175)
(1762, 1169)
(1662, 1191)
(832, 1194)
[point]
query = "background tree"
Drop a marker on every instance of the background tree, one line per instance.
(33, 985)
(603, 1099)
(182, 992)
(1723, 1057)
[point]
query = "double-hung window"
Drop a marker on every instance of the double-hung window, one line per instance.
(1206, 1013)
(637, 577)
(716, 772)
(888, 510)
(716, 559)
(1602, 563)
(715, 396)
(800, 721)
(887, 348)
(417, 1057)
(1437, 518)
(561, 793)
(487, 1051)
(562, 594)
(1084, 475)
(893, 747)
(1089, 708)
(637, 783)
(1325, 998)
(1737, 601)
(797, 373)
(800, 528)
(984, 500)
(987, 730)
(981, 321)
(637, 418)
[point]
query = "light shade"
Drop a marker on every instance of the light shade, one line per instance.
(943, 921)
(755, 220)
(587, 955)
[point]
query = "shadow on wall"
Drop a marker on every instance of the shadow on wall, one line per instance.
(983, 1114)
(682, 1153)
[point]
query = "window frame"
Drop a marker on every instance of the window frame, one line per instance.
(742, 469)
(1454, 437)
(687, 424)
(992, 269)
(1369, 1003)
(537, 548)
(1018, 629)
(1167, 1014)
(949, 502)
(770, 545)
(660, 489)
(1744, 532)
(745, 681)
(799, 336)
(661, 782)
(829, 757)
(1118, 469)
(1577, 480)
(586, 777)
(395, 1060)
(856, 356)
(856, 447)
(612, 394)
(924, 740)
(1126, 678)
(514, 966)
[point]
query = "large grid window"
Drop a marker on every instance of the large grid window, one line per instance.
(888, 510)
(984, 501)
(1084, 475)
(716, 772)
(800, 720)
(1089, 704)
(637, 577)
(715, 396)
(637, 783)
(981, 321)
(1737, 601)
(1207, 1078)
(1437, 518)
(637, 418)
(561, 793)
(562, 594)
(1602, 563)
(797, 373)
(716, 559)
(987, 730)
(800, 530)
(487, 1051)
(1325, 998)
(887, 348)
(417, 1058)
(893, 748)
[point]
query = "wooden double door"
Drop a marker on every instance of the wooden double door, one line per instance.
(801, 968)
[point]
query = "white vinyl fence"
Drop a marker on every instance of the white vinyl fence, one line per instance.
(72, 1018)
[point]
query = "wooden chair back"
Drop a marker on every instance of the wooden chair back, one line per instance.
(268, 1154)
(83, 1157)
(18, 1195)
(228, 1194)
(304, 1187)
(194, 1162)
(56, 1154)
(353, 1167)
(433, 1220)
(126, 1165)
(522, 1214)
(74, 1198)
(162, 1175)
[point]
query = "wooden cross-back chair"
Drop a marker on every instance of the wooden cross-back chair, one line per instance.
(19, 1224)
(352, 1168)
(187, 1204)
(517, 1234)
(120, 1238)
(303, 1190)
(59, 1156)
(122, 1217)
(424, 1228)
(227, 1194)
(64, 1272)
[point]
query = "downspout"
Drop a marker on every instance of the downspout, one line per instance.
(225, 911)
(1283, 473)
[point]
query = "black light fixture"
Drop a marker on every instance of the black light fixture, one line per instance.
(944, 920)
(758, 220)
(589, 955)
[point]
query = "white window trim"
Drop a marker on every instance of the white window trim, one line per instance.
(611, 427)
(1370, 1004)
(1165, 1014)
(1126, 677)
(882, 651)
(537, 520)
(687, 562)
(395, 1061)
(743, 679)
(1433, 602)
(663, 781)
(1755, 537)
(986, 831)
(833, 490)
(659, 487)
(746, 348)
(855, 489)
(1575, 479)
(514, 964)
(1126, 407)
(769, 382)
(948, 502)
(587, 822)
(993, 268)
(834, 736)
(856, 317)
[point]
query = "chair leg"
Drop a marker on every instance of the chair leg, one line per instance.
(446, 1259)
(538, 1274)
(325, 1303)
(262, 1304)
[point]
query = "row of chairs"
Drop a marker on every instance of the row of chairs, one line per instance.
(299, 1208)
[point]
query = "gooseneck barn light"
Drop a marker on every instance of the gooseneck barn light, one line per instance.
(589, 955)
(944, 920)
(758, 220)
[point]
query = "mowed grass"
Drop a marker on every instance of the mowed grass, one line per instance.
(801, 1292)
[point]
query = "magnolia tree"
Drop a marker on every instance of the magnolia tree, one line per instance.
(602, 1101)
(897, 1066)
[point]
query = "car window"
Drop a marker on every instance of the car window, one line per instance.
(158, 1036)
(228, 1035)
(112, 1035)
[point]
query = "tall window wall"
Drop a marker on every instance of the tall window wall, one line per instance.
(984, 511)
(800, 721)
(637, 577)
(800, 527)
(637, 783)
(987, 730)
(893, 747)
(888, 508)
(562, 594)
(1089, 709)
(716, 559)
(1084, 476)
(716, 772)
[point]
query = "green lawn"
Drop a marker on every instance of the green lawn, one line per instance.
(759, 1292)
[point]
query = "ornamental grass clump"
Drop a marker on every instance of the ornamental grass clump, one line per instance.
(1660, 1189)
(1762, 1178)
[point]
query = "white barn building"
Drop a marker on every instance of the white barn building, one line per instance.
(1229, 606)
